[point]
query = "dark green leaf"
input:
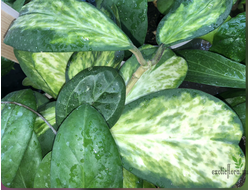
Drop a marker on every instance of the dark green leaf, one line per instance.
(164, 5)
(83, 60)
(148, 185)
(16, 130)
(85, 154)
(44, 133)
(213, 69)
(46, 71)
(65, 26)
(101, 87)
(133, 17)
(40, 99)
(175, 138)
(42, 178)
(230, 39)
(15, 4)
(29, 165)
(241, 111)
(6, 66)
(233, 97)
(130, 180)
(190, 19)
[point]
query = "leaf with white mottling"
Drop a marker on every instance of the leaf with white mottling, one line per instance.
(65, 26)
(83, 60)
(168, 73)
(190, 19)
(177, 137)
(44, 70)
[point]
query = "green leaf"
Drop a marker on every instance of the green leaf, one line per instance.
(148, 185)
(101, 87)
(213, 69)
(176, 138)
(130, 180)
(84, 154)
(44, 70)
(42, 178)
(15, 4)
(44, 133)
(6, 66)
(241, 111)
(83, 60)
(29, 165)
(234, 159)
(16, 131)
(164, 6)
(230, 39)
(190, 19)
(233, 97)
(133, 17)
(28, 82)
(65, 26)
(168, 73)
(40, 99)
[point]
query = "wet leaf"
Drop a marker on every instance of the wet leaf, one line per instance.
(42, 178)
(64, 26)
(16, 131)
(84, 154)
(101, 87)
(176, 138)
(190, 19)
(44, 70)
(83, 60)
(213, 69)
(230, 39)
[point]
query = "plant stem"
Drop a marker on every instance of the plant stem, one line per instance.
(158, 54)
(8, 102)
(139, 56)
(135, 77)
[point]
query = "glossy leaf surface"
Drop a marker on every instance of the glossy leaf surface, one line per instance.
(130, 180)
(101, 87)
(42, 178)
(213, 69)
(230, 39)
(133, 17)
(84, 154)
(168, 73)
(44, 133)
(83, 60)
(175, 138)
(16, 131)
(29, 165)
(64, 26)
(44, 70)
(190, 19)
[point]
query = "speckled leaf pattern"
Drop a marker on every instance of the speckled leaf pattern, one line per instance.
(101, 87)
(84, 154)
(230, 39)
(168, 73)
(213, 69)
(29, 165)
(42, 178)
(65, 26)
(44, 133)
(133, 17)
(130, 180)
(83, 60)
(16, 131)
(44, 70)
(177, 137)
(190, 19)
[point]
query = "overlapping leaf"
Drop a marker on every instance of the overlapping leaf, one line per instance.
(83, 60)
(45, 70)
(190, 19)
(84, 154)
(101, 87)
(177, 137)
(230, 39)
(16, 131)
(168, 73)
(64, 26)
(213, 69)
(6, 66)
(130, 180)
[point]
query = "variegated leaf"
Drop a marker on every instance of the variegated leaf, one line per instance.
(178, 137)
(168, 73)
(65, 26)
(44, 70)
(83, 60)
(190, 19)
